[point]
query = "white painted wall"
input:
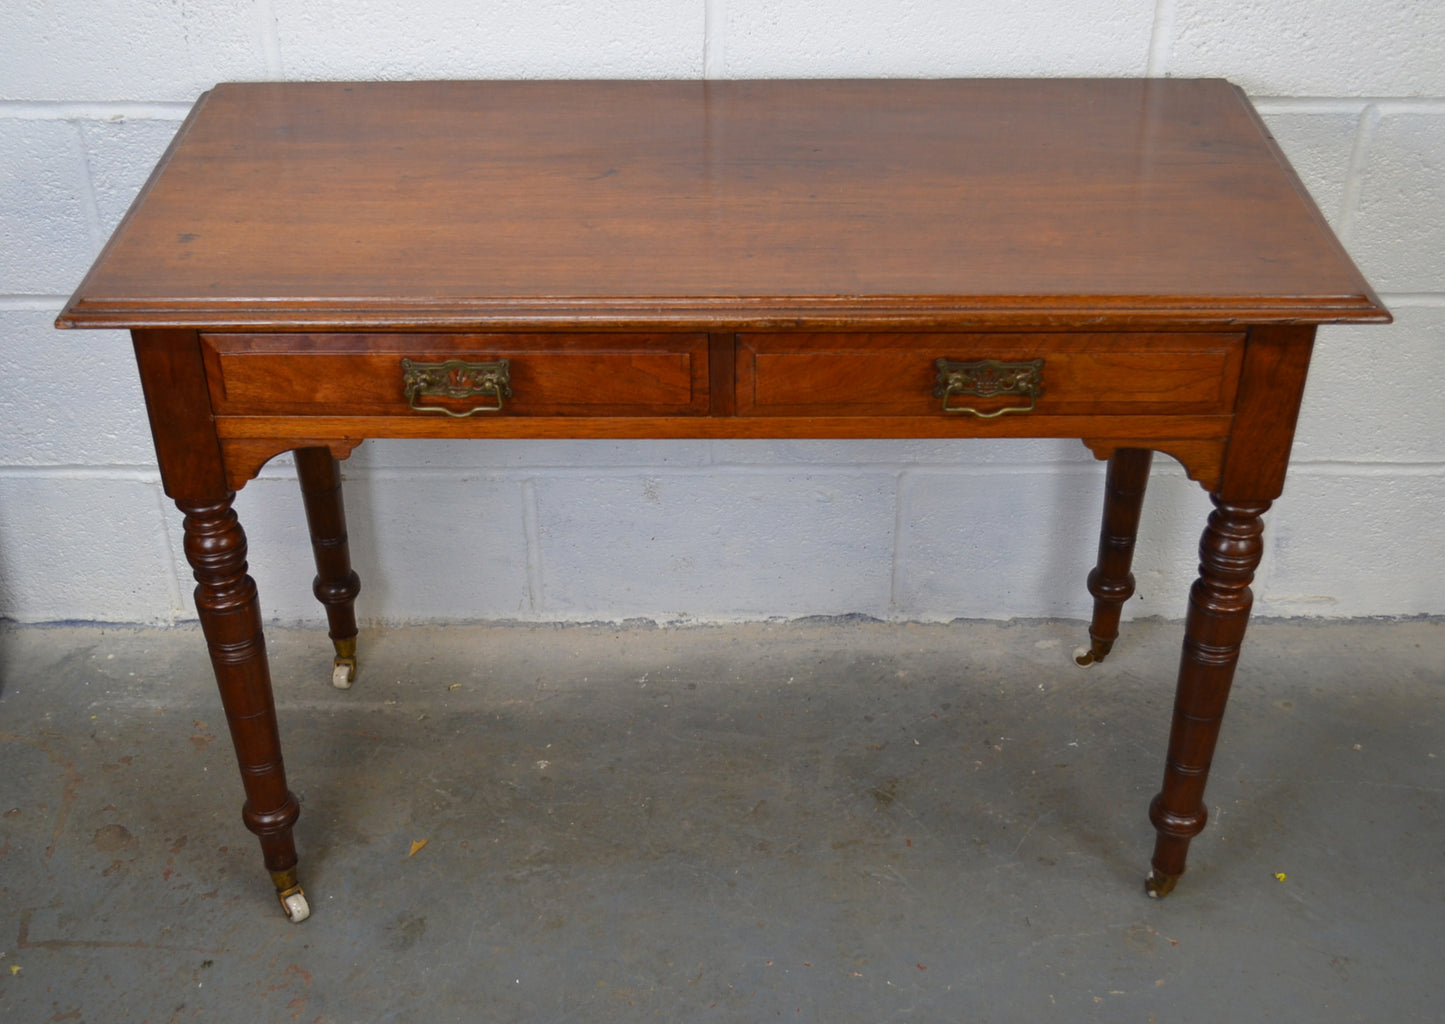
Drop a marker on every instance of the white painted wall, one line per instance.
(91, 90)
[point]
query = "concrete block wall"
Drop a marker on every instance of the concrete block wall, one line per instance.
(91, 91)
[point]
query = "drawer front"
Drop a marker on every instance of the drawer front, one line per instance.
(987, 375)
(457, 374)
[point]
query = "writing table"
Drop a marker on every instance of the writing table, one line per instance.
(1131, 263)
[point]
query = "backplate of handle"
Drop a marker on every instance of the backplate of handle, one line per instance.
(457, 380)
(989, 378)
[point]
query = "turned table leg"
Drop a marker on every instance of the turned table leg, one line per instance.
(1110, 581)
(1219, 603)
(231, 620)
(336, 585)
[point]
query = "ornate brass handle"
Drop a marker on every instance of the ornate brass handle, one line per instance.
(456, 379)
(989, 378)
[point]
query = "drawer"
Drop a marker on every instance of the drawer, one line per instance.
(457, 374)
(987, 375)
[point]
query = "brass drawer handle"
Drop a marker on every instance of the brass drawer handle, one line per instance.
(989, 378)
(456, 379)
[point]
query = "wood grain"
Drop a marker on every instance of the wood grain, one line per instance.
(551, 374)
(722, 204)
(893, 374)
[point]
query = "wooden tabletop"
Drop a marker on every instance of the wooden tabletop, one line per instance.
(727, 203)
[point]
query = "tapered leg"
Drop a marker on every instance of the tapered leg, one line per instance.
(1110, 581)
(1219, 605)
(231, 620)
(336, 586)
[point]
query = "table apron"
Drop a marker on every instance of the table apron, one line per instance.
(360, 428)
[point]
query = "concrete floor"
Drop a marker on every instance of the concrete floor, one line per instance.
(831, 821)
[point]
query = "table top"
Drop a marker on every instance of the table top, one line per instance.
(882, 204)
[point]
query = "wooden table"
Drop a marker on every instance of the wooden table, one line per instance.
(1132, 263)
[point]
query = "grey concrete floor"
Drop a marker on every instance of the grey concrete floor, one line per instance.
(830, 821)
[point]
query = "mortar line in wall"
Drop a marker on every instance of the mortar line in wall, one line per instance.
(32, 303)
(1268, 567)
(1327, 467)
(1410, 105)
(1347, 104)
(94, 110)
(268, 36)
(1161, 35)
(89, 200)
(900, 512)
(1422, 299)
(713, 20)
(137, 474)
(532, 532)
(1267, 105)
(1009, 469)
(474, 474)
(168, 552)
(1355, 174)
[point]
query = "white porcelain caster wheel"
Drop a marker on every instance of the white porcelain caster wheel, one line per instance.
(296, 907)
(1084, 657)
(343, 674)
